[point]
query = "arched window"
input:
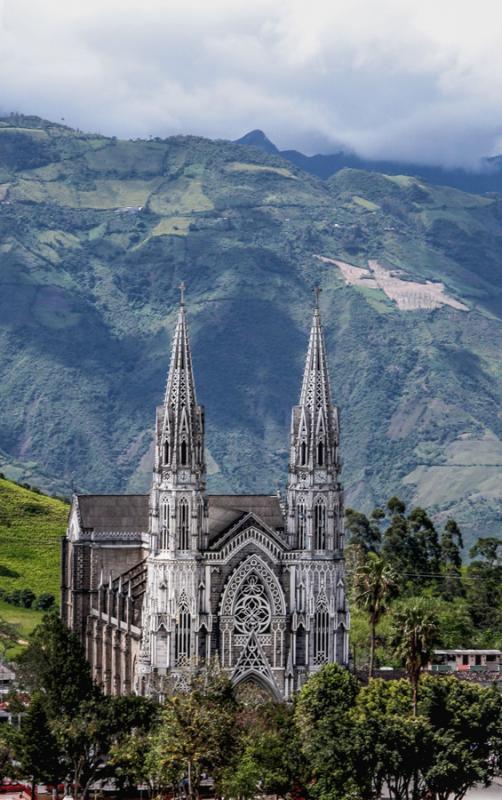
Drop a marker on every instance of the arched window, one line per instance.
(183, 633)
(300, 647)
(164, 526)
(320, 454)
(166, 452)
(321, 633)
(301, 526)
(320, 525)
(300, 598)
(183, 525)
(183, 454)
(303, 454)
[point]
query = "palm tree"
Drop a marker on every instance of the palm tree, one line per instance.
(415, 634)
(375, 583)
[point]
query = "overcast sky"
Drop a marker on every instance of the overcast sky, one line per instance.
(406, 79)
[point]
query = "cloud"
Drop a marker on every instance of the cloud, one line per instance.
(389, 79)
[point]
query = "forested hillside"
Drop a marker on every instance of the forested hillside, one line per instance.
(97, 233)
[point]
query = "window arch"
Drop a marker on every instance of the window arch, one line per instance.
(320, 525)
(184, 454)
(183, 525)
(167, 454)
(303, 453)
(183, 642)
(321, 633)
(320, 454)
(300, 598)
(165, 514)
(301, 526)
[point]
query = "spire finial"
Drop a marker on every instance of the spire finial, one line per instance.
(317, 292)
(182, 288)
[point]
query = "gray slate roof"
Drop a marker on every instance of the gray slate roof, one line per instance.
(225, 509)
(114, 512)
(129, 512)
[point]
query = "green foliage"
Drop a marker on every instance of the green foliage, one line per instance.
(195, 732)
(416, 629)
(322, 717)
(484, 591)
(374, 584)
(372, 743)
(268, 758)
(55, 666)
(35, 746)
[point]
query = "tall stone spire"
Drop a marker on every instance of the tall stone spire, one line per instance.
(177, 498)
(181, 440)
(316, 437)
(314, 491)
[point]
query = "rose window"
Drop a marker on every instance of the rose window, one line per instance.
(252, 609)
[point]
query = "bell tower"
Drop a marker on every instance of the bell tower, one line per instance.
(314, 492)
(319, 619)
(175, 596)
(177, 495)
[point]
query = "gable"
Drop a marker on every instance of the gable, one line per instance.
(248, 530)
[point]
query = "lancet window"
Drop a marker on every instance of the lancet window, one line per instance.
(321, 633)
(300, 598)
(320, 525)
(301, 526)
(303, 453)
(183, 454)
(320, 454)
(183, 633)
(164, 525)
(183, 525)
(167, 454)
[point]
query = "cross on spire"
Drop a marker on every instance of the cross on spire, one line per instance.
(182, 288)
(317, 292)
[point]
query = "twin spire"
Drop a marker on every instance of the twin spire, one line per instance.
(315, 421)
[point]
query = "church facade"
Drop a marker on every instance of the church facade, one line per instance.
(157, 585)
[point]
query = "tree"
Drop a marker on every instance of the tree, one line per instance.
(466, 720)
(101, 723)
(35, 747)
(451, 561)
(7, 767)
(45, 601)
(390, 748)
(415, 633)
(490, 550)
(268, 759)
(9, 636)
(484, 588)
(375, 583)
(54, 665)
(324, 728)
(196, 733)
(362, 532)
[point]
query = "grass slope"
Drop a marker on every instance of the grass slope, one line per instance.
(31, 526)
(95, 236)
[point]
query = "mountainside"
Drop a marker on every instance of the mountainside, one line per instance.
(97, 233)
(487, 178)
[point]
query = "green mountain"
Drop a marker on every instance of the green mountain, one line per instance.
(97, 233)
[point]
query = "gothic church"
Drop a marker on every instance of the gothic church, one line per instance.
(156, 584)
